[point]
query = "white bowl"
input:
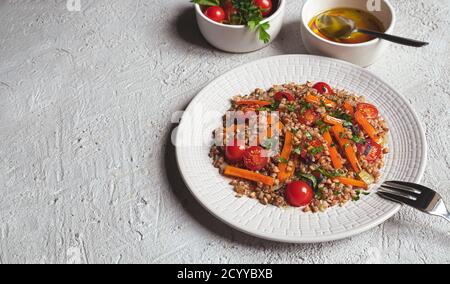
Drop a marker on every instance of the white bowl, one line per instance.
(362, 54)
(238, 38)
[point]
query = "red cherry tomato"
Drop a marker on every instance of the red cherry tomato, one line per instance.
(368, 110)
(254, 158)
(309, 117)
(265, 6)
(371, 150)
(299, 194)
(323, 88)
(234, 153)
(284, 95)
(215, 13)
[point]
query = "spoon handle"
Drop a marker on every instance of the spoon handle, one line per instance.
(396, 39)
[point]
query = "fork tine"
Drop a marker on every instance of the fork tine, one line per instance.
(395, 196)
(407, 186)
(402, 188)
(398, 192)
(389, 197)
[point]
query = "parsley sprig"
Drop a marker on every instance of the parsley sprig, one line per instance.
(249, 14)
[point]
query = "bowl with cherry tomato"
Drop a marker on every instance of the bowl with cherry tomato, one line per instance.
(240, 26)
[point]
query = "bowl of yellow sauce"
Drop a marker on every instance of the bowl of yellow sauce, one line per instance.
(358, 48)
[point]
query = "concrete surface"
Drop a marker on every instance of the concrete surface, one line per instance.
(87, 173)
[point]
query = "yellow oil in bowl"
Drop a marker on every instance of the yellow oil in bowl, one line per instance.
(363, 20)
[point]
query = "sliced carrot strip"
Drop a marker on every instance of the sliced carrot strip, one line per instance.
(349, 108)
(365, 124)
(352, 182)
(347, 146)
(284, 174)
(318, 101)
(332, 120)
(336, 159)
(253, 102)
(271, 133)
(249, 175)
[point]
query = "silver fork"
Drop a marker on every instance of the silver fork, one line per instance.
(415, 195)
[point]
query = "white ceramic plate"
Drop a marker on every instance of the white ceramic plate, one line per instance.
(194, 137)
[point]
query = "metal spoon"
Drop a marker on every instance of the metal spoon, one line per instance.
(341, 27)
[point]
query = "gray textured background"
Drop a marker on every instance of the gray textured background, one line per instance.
(86, 171)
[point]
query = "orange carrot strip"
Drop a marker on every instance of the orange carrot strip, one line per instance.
(349, 108)
(253, 102)
(271, 133)
(332, 120)
(365, 124)
(334, 155)
(347, 146)
(284, 174)
(318, 101)
(352, 182)
(249, 175)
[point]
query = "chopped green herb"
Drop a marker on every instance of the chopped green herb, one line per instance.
(341, 115)
(305, 106)
(269, 143)
(333, 144)
(291, 107)
(358, 140)
(356, 198)
(347, 124)
(283, 160)
(298, 150)
(264, 109)
(316, 150)
(332, 174)
(310, 179)
(324, 129)
(308, 136)
(274, 106)
(320, 123)
(366, 193)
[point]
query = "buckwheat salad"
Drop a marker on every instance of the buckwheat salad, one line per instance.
(307, 146)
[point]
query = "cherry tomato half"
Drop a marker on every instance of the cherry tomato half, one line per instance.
(284, 95)
(323, 88)
(299, 194)
(371, 150)
(234, 153)
(254, 158)
(309, 117)
(215, 13)
(265, 6)
(368, 110)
